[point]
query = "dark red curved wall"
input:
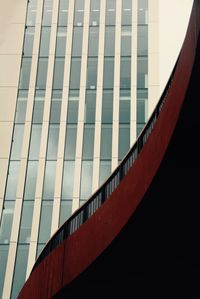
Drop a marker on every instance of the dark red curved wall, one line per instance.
(80, 249)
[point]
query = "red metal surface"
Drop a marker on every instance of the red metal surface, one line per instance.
(80, 249)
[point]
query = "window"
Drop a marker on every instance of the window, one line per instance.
(75, 73)
(107, 106)
(53, 142)
(31, 177)
(92, 73)
(105, 171)
(58, 73)
(110, 12)
(45, 41)
(38, 107)
(90, 106)
(17, 142)
(79, 12)
(65, 211)
(125, 72)
(142, 97)
(45, 221)
(124, 106)
(142, 71)
(108, 78)
(142, 40)
(94, 12)
(77, 41)
(42, 73)
(124, 140)
(63, 13)
(28, 41)
(21, 107)
(72, 113)
(93, 41)
(12, 180)
(70, 142)
(88, 142)
(47, 12)
(6, 222)
(35, 142)
(109, 41)
(86, 179)
(106, 142)
(26, 222)
(31, 15)
(49, 180)
(143, 12)
(68, 180)
(126, 12)
(61, 41)
(126, 41)
(55, 106)
(3, 262)
(25, 73)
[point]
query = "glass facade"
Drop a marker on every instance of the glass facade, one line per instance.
(76, 83)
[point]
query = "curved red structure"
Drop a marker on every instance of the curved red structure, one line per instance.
(89, 237)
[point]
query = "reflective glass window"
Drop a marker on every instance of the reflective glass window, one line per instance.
(92, 73)
(70, 142)
(108, 78)
(58, 73)
(142, 72)
(61, 41)
(56, 106)
(12, 180)
(142, 112)
(143, 11)
(126, 41)
(20, 270)
(17, 142)
(79, 12)
(106, 142)
(42, 73)
(31, 177)
(38, 107)
(49, 180)
(53, 142)
(45, 41)
(86, 179)
(124, 106)
(63, 13)
(107, 106)
(39, 249)
(31, 14)
(72, 112)
(93, 41)
(6, 222)
(3, 262)
(28, 41)
(126, 12)
(90, 106)
(68, 180)
(105, 171)
(88, 142)
(125, 72)
(75, 73)
(65, 211)
(109, 41)
(110, 12)
(26, 222)
(139, 128)
(142, 40)
(35, 142)
(21, 106)
(124, 140)
(25, 73)
(45, 221)
(94, 12)
(77, 41)
(47, 12)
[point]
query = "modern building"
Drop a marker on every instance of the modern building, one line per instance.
(78, 81)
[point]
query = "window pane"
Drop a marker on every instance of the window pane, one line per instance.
(49, 180)
(105, 171)
(53, 142)
(72, 112)
(139, 128)
(12, 180)
(142, 40)
(38, 107)
(86, 179)
(109, 41)
(47, 12)
(55, 106)
(45, 222)
(68, 180)
(61, 41)
(79, 12)
(25, 73)
(141, 111)
(142, 71)
(21, 106)
(75, 73)
(107, 106)
(6, 222)
(94, 12)
(31, 176)
(45, 40)
(17, 142)
(92, 73)
(124, 140)
(35, 142)
(58, 73)
(70, 142)
(26, 222)
(124, 111)
(3, 262)
(42, 73)
(90, 106)
(110, 12)
(106, 142)
(20, 270)
(88, 142)
(32, 9)
(125, 72)
(126, 12)
(93, 41)
(108, 78)
(143, 12)
(77, 41)
(28, 41)
(126, 41)
(63, 13)
(65, 211)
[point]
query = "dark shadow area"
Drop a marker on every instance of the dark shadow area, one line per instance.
(157, 254)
